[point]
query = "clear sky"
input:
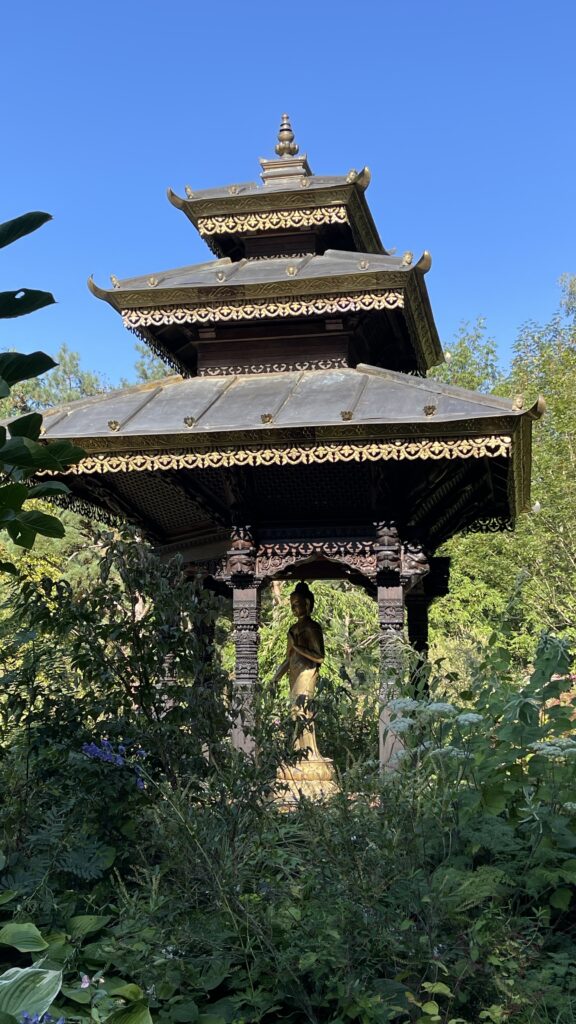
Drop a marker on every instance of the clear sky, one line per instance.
(463, 110)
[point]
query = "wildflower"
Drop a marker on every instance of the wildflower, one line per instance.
(39, 1018)
(107, 753)
(469, 718)
(400, 704)
(400, 725)
(450, 752)
(439, 708)
(84, 981)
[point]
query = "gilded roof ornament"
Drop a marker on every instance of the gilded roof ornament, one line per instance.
(286, 146)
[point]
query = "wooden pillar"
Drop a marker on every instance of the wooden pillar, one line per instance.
(246, 618)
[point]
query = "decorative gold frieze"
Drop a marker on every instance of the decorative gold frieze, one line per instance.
(235, 369)
(263, 310)
(273, 220)
(294, 455)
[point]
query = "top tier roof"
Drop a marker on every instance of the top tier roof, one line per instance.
(291, 198)
(302, 282)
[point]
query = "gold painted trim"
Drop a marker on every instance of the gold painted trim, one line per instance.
(276, 220)
(457, 448)
(262, 310)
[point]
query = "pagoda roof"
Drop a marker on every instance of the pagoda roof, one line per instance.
(220, 279)
(289, 401)
(312, 449)
(291, 197)
(337, 283)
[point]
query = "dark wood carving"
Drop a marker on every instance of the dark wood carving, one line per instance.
(387, 546)
(241, 557)
(246, 617)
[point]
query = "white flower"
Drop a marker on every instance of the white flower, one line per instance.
(404, 704)
(400, 725)
(469, 718)
(569, 807)
(450, 752)
(439, 709)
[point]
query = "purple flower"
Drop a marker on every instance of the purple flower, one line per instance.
(106, 752)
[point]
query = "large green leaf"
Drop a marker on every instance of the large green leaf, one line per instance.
(48, 526)
(12, 496)
(86, 924)
(78, 995)
(124, 990)
(28, 990)
(6, 895)
(25, 937)
(21, 535)
(17, 366)
(136, 1013)
(11, 230)
(23, 301)
(26, 426)
(23, 453)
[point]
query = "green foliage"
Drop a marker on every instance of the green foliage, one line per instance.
(441, 891)
(148, 366)
(526, 579)
(21, 453)
(471, 360)
(66, 383)
(28, 990)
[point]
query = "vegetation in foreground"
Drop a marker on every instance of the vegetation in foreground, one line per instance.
(146, 870)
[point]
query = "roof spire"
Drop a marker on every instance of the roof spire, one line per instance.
(286, 146)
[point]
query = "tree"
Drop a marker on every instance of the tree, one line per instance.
(149, 366)
(471, 361)
(531, 573)
(22, 455)
(66, 383)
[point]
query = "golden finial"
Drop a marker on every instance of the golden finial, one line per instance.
(189, 192)
(115, 281)
(286, 145)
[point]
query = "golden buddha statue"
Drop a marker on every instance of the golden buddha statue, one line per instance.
(314, 775)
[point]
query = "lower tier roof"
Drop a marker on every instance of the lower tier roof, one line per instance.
(323, 452)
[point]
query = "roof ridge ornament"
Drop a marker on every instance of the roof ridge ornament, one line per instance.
(288, 169)
(286, 146)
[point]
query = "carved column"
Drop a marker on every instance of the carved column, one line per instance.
(240, 567)
(246, 618)
(390, 597)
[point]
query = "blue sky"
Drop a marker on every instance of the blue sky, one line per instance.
(464, 111)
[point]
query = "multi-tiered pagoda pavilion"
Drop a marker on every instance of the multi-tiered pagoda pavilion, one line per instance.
(301, 438)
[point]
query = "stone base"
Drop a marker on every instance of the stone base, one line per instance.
(313, 779)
